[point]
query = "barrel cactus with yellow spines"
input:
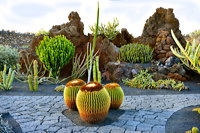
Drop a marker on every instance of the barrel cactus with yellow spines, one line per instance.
(116, 94)
(93, 102)
(71, 91)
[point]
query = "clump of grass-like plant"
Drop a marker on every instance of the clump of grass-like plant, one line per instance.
(135, 53)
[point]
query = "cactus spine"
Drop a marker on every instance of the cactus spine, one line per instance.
(116, 94)
(33, 79)
(96, 71)
(93, 102)
(7, 79)
(71, 91)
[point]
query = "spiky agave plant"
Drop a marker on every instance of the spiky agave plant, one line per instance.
(71, 91)
(116, 94)
(93, 102)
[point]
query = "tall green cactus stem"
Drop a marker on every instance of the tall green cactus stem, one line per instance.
(90, 52)
(30, 82)
(96, 71)
(7, 79)
(190, 55)
(93, 102)
(116, 94)
(33, 79)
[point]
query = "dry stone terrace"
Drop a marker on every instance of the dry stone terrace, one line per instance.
(143, 114)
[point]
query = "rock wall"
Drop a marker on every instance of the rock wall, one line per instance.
(15, 39)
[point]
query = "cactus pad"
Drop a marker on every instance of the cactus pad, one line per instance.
(116, 94)
(71, 91)
(93, 102)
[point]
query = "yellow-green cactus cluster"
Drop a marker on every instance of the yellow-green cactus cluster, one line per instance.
(93, 102)
(135, 53)
(116, 94)
(71, 91)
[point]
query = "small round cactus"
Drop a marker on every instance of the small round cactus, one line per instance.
(71, 91)
(93, 102)
(116, 94)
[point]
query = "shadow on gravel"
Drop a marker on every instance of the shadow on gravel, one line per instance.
(12, 122)
(183, 120)
(75, 118)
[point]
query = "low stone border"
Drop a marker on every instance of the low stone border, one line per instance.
(146, 113)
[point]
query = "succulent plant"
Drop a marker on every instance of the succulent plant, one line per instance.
(93, 102)
(55, 52)
(190, 55)
(71, 91)
(135, 53)
(116, 94)
(144, 80)
(7, 79)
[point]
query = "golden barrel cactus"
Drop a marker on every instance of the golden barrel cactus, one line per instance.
(71, 91)
(93, 102)
(116, 94)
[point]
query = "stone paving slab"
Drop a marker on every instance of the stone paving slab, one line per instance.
(143, 114)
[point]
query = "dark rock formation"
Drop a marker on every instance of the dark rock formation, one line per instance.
(123, 38)
(176, 72)
(117, 71)
(107, 51)
(157, 33)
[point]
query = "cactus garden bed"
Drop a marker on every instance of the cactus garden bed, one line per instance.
(21, 89)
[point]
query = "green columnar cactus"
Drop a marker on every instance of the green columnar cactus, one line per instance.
(7, 79)
(93, 102)
(96, 71)
(55, 52)
(190, 55)
(33, 79)
(135, 53)
(116, 94)
(71, 91)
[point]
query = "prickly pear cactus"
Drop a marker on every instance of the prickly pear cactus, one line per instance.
(93, 102)
(116, 94)
(71, 91)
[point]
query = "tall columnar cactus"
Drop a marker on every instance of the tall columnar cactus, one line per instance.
(55, 52)
(93, 102)
(190, 55)
(96, 71)
(33, 79)
(116, 94)
(71, 91)
(7, 79)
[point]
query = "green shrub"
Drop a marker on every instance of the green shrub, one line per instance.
(135, 53)
(144, 80)
(110, 30)
(8, 56)
(55, 52)
(42, 32)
